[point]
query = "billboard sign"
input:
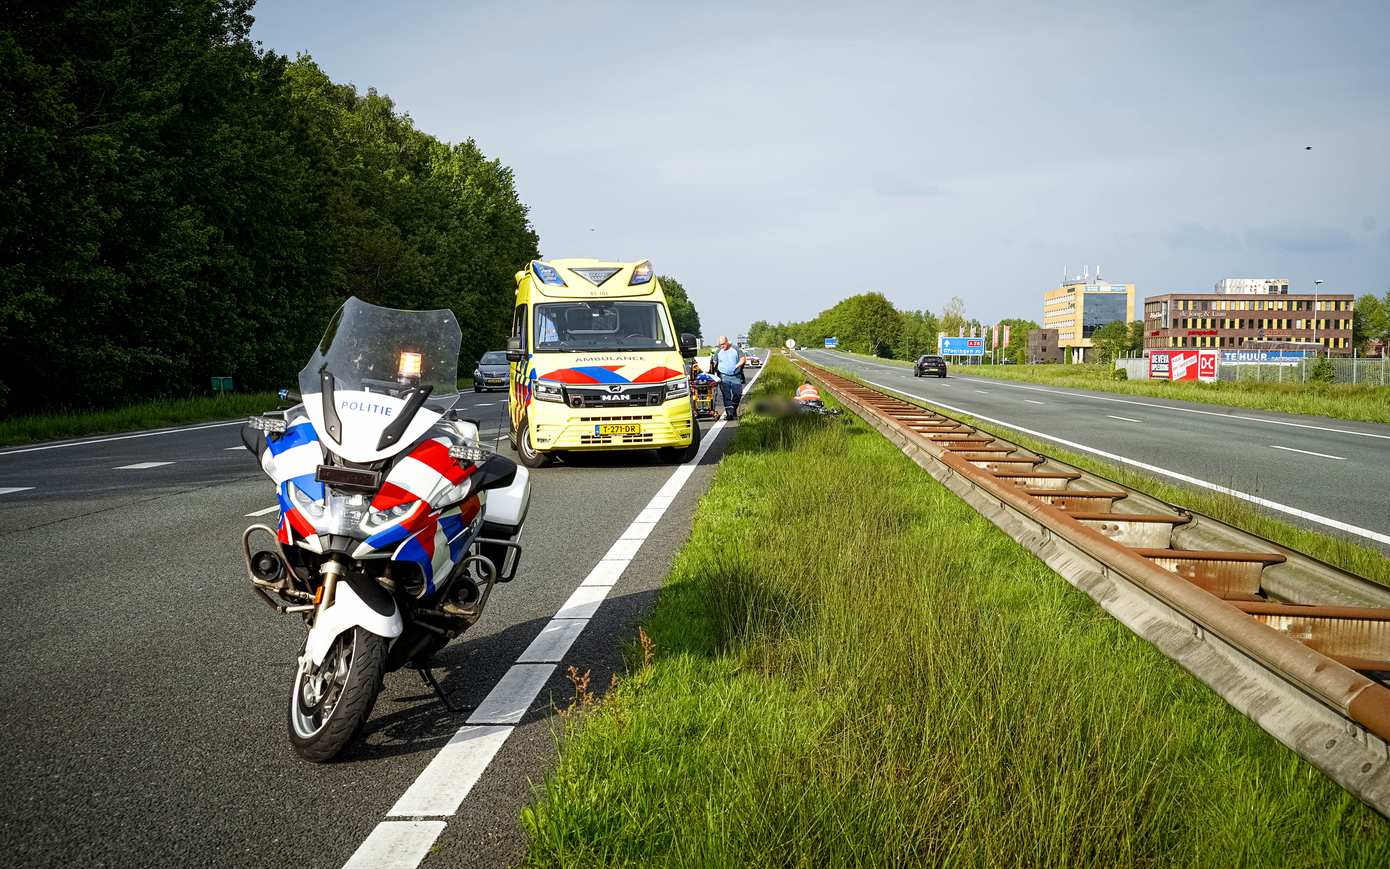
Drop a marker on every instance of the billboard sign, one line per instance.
(1182, 365)
(962, 346)
(1262, 357)
(832, 343)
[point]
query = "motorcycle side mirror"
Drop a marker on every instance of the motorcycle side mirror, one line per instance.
(515, 352)
(689, 346)
(496, 472)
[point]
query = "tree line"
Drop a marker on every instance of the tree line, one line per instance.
(869, 323)
(178, 204)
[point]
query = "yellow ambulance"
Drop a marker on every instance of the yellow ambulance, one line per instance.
(596, 363)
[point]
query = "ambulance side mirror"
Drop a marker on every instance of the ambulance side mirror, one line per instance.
(515, 352)
(689, 346)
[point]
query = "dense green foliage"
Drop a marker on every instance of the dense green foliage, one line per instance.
(176, 203)
(683, 312)
(924, 692)
(1371, 321)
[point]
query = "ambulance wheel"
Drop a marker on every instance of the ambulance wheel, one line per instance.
(529, 455)
(680, 455)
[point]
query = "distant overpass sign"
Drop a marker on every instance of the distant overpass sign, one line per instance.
(949, 346)
(832, 343)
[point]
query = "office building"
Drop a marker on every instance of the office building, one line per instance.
(1081, 306)
(1264, 321)
(1253, 286)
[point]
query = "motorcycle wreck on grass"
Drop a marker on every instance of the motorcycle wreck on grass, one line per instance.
(395, 521)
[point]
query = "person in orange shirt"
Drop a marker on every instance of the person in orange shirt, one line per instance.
(807, 394)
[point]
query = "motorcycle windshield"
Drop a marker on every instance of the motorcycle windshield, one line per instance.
(380, 377)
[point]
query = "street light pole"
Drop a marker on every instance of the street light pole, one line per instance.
(1316, 284)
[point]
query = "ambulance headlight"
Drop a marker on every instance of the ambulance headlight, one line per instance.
(677, 388)
(548, 391)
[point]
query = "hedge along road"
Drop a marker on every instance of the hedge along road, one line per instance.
(1326, 474)
(146, 686)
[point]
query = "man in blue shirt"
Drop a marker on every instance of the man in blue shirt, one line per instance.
(727, 364)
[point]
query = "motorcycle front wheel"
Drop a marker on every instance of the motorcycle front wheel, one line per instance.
(330, 703)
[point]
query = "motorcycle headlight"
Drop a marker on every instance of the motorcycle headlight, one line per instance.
(306, 505)
(677, 388)
(548, 391)
(344, 514)
(378, 518)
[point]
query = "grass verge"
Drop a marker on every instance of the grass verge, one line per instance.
(134, 417)
(1331, 400)
(849, 666)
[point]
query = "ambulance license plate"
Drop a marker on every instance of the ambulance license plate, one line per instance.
(618, 428)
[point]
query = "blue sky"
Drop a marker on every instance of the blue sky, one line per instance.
(777, 157)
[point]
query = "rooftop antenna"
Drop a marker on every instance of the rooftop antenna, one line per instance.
(1086, 272)
(1097, 272)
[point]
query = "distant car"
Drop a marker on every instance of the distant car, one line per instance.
(752, 360)
(491, 372)
(929, 365)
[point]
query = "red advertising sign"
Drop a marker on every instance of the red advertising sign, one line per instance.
(1201, 331)
(1182, 364)
(1206, 365)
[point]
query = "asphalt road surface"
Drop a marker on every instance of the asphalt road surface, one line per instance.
(1331, 475)
(145, 686)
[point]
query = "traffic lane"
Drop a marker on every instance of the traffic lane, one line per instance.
(1272, 420)
(114, 472)
(1211, 448)
(161, 681)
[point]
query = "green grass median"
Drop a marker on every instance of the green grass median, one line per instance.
(849, 666)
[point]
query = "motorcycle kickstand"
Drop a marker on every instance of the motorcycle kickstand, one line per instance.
(427, 676)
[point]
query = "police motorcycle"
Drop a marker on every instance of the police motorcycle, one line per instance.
(395, 521)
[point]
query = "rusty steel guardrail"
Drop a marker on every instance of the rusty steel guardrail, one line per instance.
(1300, 647)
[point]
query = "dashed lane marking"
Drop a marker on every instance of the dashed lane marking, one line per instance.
(10, 490)
(263, 512)
(1123, 418)
(1308, 452)
(1032, 401)
(141, 466)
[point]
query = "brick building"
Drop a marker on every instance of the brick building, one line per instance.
(1252, 322)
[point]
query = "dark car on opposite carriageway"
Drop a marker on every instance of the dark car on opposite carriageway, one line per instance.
(933, 366)
(491, 371)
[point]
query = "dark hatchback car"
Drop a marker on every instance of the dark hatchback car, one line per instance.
(491, 372)
(929, 366)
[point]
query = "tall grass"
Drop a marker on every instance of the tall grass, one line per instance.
(851, 667)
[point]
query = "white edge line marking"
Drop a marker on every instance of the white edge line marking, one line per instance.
(554, 640)
(1308, 452)
(1364, 434)
(10, 490)
(1224, 490)
(146, 434)
(443, 785)
(263, 512)
(1123, 418)
(396, 845)
(229, 449)
(141, 466)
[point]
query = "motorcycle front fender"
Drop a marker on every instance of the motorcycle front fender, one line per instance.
(369, 608)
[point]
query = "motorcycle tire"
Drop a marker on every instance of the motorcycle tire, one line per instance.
(529, 455)
(318, 735)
